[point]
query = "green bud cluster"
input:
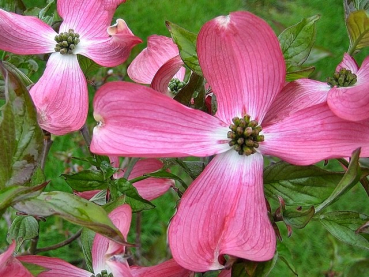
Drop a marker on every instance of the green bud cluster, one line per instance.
(175, 85)
(103, 273)
(66, 42)
(343, 78)
(244, 135)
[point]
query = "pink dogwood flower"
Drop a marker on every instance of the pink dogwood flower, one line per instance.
(107, 257)
(61, 95)
(157, 64)
(223, 212)
(346, 92)
(10, 266)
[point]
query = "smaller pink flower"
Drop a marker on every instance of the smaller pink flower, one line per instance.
(349, 100)
(157, 64)
(10, 266)
(107, 257)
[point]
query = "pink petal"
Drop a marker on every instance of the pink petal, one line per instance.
(150, 188)
(110, 50)
(169, 70)
(25, 35)
(152, 125)
(60, 95)
(314, 134)
(166, 269)
(89, 18)
(352, 103)
(159, 50)
(10, 266)
(223, 212)
(349, 63)
(241, 59)
(119, 268)
(55, 266)
(87, 194)
(296, 96)
(103, 248)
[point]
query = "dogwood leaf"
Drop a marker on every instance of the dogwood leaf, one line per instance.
(343, 226)
(357, 24)
(296, 218)
(22, 228)
(186, 42)
(86, 180)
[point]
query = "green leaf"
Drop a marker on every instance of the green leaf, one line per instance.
(263, 269)
(298, 40)
(360, 268)
(74, 209)
(165, 174)
(284, 254)
(343, 226)
(253, 269)
(186, 42)
(299, 185)
(195, 84)
(296, 218)
(87, 238)
(122, 187)
(88, 66)
(357, 24)
(294, 73)
(192, 168)
(34, 269)
(15, 6)
(351, 177)
(16, 72)
(23, 228)
(21, 139)
(86, 180)
(12, 194)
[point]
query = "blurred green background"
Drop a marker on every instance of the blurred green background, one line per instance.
(315, 252)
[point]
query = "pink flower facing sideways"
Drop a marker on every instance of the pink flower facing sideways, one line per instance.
(223, 212)
(61, 95)
(107, 257)
(157, 64)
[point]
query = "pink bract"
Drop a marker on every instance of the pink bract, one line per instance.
(10, 266)
(157, 64)
(61, 95)
(223, 212)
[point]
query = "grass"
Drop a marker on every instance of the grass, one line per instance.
(314, 251)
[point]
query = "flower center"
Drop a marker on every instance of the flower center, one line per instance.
(175, 85)
(103, 273)
(245, 135)
(343, 78)
(66, 42)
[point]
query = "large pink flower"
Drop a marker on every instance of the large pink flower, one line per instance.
(157, 64)
(107, 256)
(61, 95)
(223, 212)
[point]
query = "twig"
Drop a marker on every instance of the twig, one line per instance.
(86, 135)
(60, 244)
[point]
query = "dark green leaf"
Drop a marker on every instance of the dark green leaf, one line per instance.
(186, 42)
(196, 83)
(285, 255)
(74, 209)
(350, 178)
(34, 269)
(136, 205)
(297, 41)
(299, 185)
(165, 174)
(192, 168)
(263, 269)
(86, 180)
(23, 228)
(298, 219)
(122, 187)
(88, 66)
(343, 226)
(357, 24)
(15, 6)
(87, 238)
(21, 139)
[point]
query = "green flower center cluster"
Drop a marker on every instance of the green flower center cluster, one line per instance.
(175, 85)
(245, 135)
(343, 78)
(66, 42)
(103, 273)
